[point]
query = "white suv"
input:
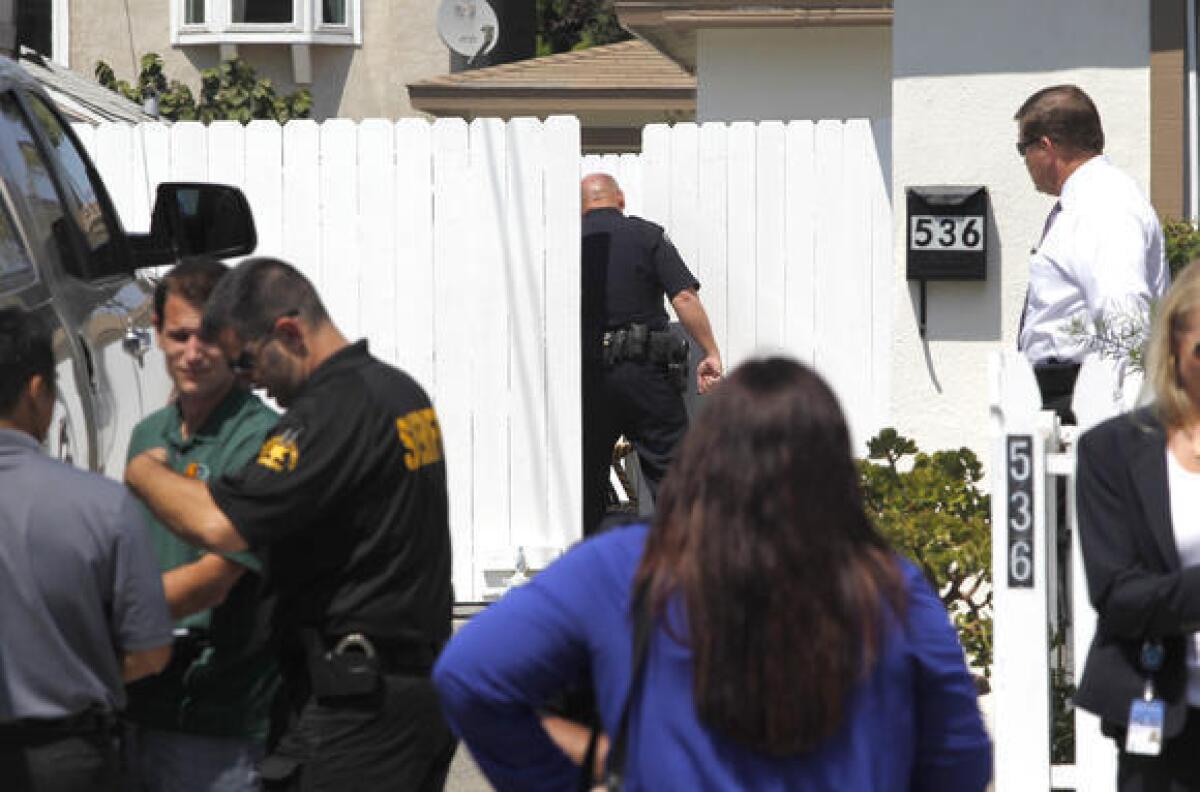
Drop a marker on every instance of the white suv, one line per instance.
(65, 256)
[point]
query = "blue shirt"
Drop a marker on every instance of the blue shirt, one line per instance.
(913, 725)
(79, 585)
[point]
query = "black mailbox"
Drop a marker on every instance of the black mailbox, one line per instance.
(947, 233)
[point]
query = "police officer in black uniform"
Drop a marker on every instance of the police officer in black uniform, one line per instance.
(347, 502)
(634, 371)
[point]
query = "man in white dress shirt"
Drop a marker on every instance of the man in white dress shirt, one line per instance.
(1101, 251)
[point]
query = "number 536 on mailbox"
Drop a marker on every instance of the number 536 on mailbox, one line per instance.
(947, 233)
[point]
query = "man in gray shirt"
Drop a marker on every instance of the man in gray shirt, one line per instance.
(81, 598)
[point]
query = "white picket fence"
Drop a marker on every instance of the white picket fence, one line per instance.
(454, 248)
(1030, 453)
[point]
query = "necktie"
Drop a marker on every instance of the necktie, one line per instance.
(1050, 218)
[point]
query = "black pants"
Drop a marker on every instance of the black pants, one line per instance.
(1056, 382)
(396, 740)
(71, 763)
(638, 401)
(1176, 769)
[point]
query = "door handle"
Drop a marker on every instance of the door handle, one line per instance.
(136, 342)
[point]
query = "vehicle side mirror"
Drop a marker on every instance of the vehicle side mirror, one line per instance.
(196, 219)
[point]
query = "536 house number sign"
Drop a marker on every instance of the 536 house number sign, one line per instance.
(1019, 510)
(933, 232)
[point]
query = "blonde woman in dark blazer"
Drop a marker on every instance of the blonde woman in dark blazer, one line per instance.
(1139, 526)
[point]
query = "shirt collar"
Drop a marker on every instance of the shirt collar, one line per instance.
(604, 210)
(19, 439)
(212, 424)
(348, 357)
(1078, 180)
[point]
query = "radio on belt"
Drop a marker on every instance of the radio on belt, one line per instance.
(946, 235)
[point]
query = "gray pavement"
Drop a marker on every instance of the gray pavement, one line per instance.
(464, 775)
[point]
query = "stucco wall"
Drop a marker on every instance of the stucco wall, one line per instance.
(793, 73)
(400, 45)
(961, 71)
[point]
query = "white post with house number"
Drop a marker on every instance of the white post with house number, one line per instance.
(1019, 574)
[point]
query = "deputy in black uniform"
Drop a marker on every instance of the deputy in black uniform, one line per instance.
(634, 371)
(347, 502)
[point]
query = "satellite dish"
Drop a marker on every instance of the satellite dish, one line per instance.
(469, 27)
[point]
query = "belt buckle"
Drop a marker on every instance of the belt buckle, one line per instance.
(355, 641)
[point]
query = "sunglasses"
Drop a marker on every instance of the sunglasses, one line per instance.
(1023, 145)
(243, 364)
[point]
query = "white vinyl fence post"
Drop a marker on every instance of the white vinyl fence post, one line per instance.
(1019, 573)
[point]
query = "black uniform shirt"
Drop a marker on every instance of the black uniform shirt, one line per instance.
(348, 497)
(628, 264)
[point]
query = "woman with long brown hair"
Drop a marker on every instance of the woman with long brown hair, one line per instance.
(759, 635)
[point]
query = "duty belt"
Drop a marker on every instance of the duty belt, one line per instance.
(636, 342)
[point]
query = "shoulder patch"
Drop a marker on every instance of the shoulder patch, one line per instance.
(280, 452)
(421, 437)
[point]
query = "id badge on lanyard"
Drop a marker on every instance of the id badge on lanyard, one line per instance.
(1148, 713)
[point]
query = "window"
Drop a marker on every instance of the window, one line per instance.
(15, 267)
(29, 181)
(34, 25)
(79, 191)
(56, 209)
(236, 22)
(333, 12)
(263, 11)
(193, 12)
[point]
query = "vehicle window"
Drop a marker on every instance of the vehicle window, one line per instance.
(28, 177)
(81, 195)
(15, 267)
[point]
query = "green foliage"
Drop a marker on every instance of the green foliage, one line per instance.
(1119, 336)
(1183, 243)
(231, 91)
(932, 510)
(566, 25)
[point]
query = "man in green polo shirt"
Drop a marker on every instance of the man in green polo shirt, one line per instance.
(202, 724)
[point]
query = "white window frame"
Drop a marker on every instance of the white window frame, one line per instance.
(60, 32)
(1192, 117)
(306, 27)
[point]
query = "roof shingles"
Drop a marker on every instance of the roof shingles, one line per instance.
(629, 65)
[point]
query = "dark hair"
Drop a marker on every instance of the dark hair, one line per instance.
(1066, 115)
(257, 292)
(25, 351)
(761, 529)
(192, 280)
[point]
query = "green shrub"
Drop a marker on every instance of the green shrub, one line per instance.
(1182, 239)
(932, 510)
(231, 91)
